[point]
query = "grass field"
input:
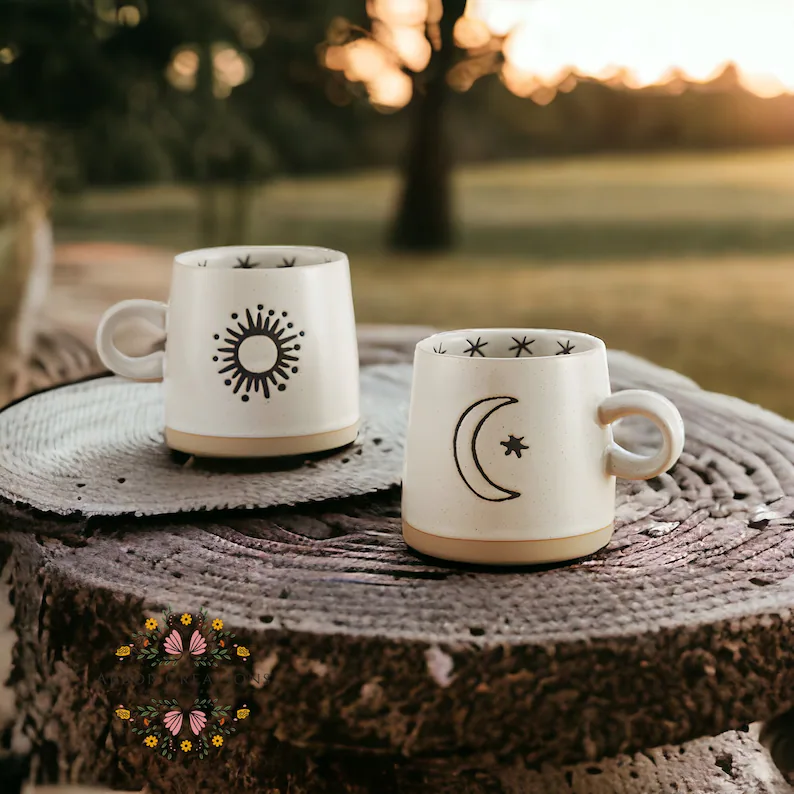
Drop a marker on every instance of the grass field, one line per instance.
(685, 259)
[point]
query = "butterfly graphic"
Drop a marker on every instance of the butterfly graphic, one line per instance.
(173, 721)
(173, 643)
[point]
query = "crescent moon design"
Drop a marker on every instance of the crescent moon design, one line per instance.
(465, 449)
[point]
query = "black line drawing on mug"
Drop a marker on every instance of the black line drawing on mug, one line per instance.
(475, 348)
(246, 264)
(288, 262)
(464, 446)
(439, 349)
(259, 353)
(566, 349)
(521, 347)
(513, 444)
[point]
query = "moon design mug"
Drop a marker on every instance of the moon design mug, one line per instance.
(510, 457)
(261, 357)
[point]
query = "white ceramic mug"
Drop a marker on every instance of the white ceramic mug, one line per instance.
(261, 357)
(510, 457)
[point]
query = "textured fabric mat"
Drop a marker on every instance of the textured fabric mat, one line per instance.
(96, 448)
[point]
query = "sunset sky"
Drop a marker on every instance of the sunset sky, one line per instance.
(543, 41)
(648, 37)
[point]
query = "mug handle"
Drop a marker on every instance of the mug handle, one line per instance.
(636, 402)
(142, 368)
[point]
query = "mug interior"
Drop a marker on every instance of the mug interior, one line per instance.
(258, 257)
(507, 343)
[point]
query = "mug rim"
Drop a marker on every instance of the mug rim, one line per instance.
(596, 344)
(336, 256)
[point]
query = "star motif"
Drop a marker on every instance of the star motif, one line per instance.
(288, 262)
(203, 264)
(521, 347)
(566, 348)
(439, 350)
(246, 264)
(475, 348)
(513, 444)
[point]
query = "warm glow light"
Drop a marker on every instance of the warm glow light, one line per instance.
(183, 68)
(499, 16)
(366, 60)
(231, 67)
(763, 85)
(471, 33)
(409, 44)
(129, 16)
(400, 13)
(7, 55)
(518, 82)
(535, 49)
(568, 84)
(649, 43)
(402, 31)
(392, 88)
(336, 58)
(186, 62)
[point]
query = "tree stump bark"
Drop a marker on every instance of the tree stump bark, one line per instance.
(373, 669)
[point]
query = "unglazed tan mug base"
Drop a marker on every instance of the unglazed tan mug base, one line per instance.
(507, 552)
(220, 447)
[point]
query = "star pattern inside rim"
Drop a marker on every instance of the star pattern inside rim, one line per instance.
(246, 264)
(475, 348)
(439, 350)
(288, 262)
(514, 444)
(203, 264)
(566, 348)
(521, 347)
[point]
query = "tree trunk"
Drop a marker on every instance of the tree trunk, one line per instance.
(424, 216)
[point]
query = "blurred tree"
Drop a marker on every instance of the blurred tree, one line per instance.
(142, 90)
(287, 97)
(406, 55)
(424, 215)
(410, 56)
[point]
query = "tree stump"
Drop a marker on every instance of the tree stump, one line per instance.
(373, 669)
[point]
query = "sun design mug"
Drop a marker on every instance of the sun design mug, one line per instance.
(510, 457)
(260, 358)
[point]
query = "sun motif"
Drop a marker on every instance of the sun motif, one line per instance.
(259, 352)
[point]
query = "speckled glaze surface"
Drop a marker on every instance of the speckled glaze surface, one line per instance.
(260, 344)
(509, 439)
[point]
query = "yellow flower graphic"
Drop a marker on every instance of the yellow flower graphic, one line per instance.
(124, 650)
(217, 624)
(186, 746)
(243, 651)
(186, 619)
(122, 713)
(150, 741)
(243, 713)
(151, 624)
(217, 740)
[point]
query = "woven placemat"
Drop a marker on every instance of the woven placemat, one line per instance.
(96, 449)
